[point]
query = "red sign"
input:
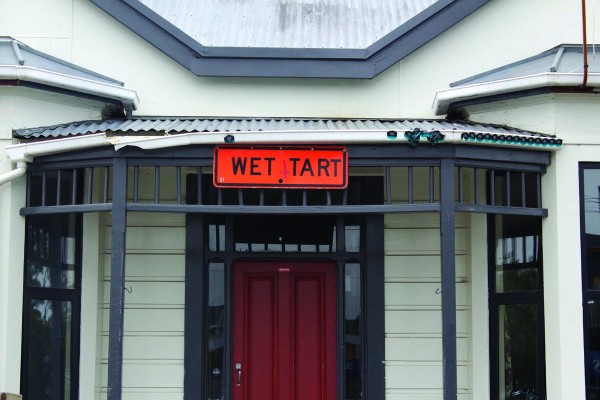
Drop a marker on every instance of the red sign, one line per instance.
(289, 167)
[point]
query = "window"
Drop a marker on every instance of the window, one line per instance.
(590, 254)
(51, 302)
(516, 308)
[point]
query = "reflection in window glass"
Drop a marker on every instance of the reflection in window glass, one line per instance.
(307, 233)
(216, 236)
(517, 254)
(216, 321)
(49, 350)
(592, 226)
(593, 359)
(51, 251)
(517, 351)
(352, 234)
(352, 326)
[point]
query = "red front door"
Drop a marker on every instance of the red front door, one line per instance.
(284, 331)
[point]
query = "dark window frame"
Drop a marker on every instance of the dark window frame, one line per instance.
(72, 295)
(588, 295)
(496, 300)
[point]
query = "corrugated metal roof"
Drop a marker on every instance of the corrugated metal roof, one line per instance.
(561, 59)
(14, 53)
(161, 126)
(331, 24)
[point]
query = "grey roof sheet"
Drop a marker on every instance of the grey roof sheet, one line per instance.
(333, 24)
(161, 126)
(565, 58)
(14, 53)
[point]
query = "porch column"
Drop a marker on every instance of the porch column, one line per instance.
(447, 225)
(117, 280)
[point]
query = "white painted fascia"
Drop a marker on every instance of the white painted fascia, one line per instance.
(127, 97)
(444, 98)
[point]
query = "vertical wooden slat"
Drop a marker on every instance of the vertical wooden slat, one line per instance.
(156, 184)
(58, 186)
(136, 184)
(44, 178)
(388, 185)
(178, 178)
(105, 196)
(74, 188)
(410, 186)
(508, 189)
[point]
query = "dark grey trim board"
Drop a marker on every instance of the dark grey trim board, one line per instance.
(193, 379)
(447, 233)
(117, 282)
(280, 62)
(374, 327)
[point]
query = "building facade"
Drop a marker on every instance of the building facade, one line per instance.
(307, 200)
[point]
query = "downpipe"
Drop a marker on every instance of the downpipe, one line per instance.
(15, 173)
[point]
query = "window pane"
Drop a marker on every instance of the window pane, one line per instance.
(593, 335)
(49, 374)
(293, 233)
(353, 345)
(352, 234)
(216, 320)
(592, 226)
(517, 351)
(51, 251)
(518, 253)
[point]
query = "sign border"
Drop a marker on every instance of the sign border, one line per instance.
(283, 185)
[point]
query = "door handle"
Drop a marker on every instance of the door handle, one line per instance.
(238, 368)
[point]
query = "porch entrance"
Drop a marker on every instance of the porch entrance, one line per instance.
(284, 330)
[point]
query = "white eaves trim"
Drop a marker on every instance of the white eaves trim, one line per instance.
(26, 152)
(444, 98)
(127, 97)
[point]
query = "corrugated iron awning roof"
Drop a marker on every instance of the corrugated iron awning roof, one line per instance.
(171, 126)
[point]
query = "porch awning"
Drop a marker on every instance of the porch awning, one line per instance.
(155, 133)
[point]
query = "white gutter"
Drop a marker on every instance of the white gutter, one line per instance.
(15, 173)
(26, 152)
(444, 98)
(128, 97)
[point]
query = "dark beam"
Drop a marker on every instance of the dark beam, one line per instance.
(447, 225)
(194, 378)
(117, 281)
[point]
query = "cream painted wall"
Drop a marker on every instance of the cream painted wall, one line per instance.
(499, 33)
(27, 108)
(12, 236)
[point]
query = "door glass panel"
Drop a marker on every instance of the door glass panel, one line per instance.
(518, 253)
(352, 326)
(51, 251)
(49, 350)
(517, 351)
(216, 321)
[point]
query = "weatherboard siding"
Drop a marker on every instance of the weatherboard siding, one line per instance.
(154, 310)
(413, 316)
